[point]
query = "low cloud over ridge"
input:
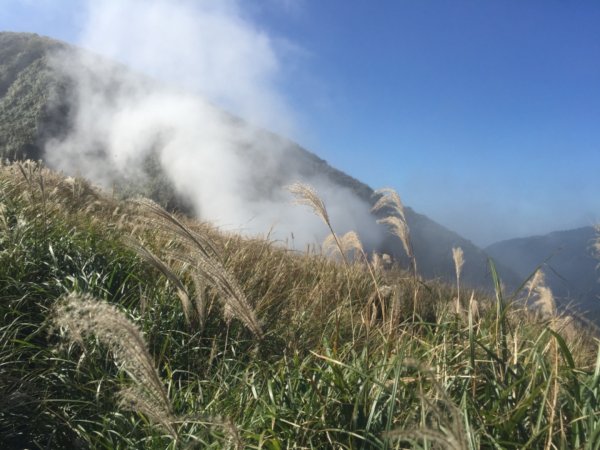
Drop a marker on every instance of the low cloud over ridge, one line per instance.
(194, 55)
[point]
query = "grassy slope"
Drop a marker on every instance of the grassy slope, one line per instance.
(344, 362)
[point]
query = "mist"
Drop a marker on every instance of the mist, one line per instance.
(184, 64)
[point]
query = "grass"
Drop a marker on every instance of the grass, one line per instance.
(126, 327)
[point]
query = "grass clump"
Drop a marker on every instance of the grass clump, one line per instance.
(193, 338)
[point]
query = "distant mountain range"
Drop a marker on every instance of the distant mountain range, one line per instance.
(35, 108)
(567, 260)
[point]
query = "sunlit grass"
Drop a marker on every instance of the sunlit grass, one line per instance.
(320, 353)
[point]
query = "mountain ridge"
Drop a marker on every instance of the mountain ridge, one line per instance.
(565, 257)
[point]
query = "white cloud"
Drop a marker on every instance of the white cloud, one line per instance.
(205, 46)
(232, 173)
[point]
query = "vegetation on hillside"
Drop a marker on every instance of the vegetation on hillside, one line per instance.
(124, 326)
(28, 89)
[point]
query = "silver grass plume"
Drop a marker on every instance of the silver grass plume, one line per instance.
(399, 228)
(307, 196)
(81, 316)
(182, 292)
(532, 284)
(349, 242)
(389, 198)
(459, 261)
(198, 256)
(381, 261)
(544, 299)
(389, 201)
(376, 262)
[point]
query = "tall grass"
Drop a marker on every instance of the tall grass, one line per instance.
(389, 203)
(196, 253)
(324, 372)
(82, 316)
(459, 261)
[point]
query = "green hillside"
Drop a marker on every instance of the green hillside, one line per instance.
(126, 327)
(27, 90)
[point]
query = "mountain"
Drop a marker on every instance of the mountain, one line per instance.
(567, 261)
(26, 85)
(37, 107)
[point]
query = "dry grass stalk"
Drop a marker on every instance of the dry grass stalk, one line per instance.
(381, 262)
(182, 292)
(546, 302)
(389, 198)
(82, 316)
(474, 307)
(537, 279)
(389, 201)
(231, 295)
(395, 309)
(350, 242)
(399, 228)
(200, 304)
(377, 262)
(459, 261)
(197, 255)
(166, 221)
(307, 196)
(544, 299)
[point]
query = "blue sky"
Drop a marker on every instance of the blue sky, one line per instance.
(484, 115)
